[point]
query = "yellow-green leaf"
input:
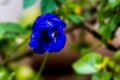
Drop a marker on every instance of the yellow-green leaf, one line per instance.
(85, 65)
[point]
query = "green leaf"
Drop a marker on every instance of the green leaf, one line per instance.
(62, 1)
(102, 76)
(4, 74)
(2, 31)
(74, 18)
(28, 3)
(111, 64)
(117, 68)
(86, 65)
(113, 3)
(116, 56)
(11, 76)
(101, 14)
(84, 50)
(116, 77)
(105, 11)
(47, 6)
(105, 30)
(10, 30)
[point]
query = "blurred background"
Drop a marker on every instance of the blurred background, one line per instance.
(91, 51)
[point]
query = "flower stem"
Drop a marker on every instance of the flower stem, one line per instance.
(42, 66)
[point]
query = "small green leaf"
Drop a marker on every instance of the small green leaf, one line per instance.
(105, 11)
(47, 6)
(116, 77)
(84, 50)
(10, 30)
(101, 14)
(75, 18)
(28, 3)
(116, 56)
(85, 65)
(117, 68)
(105, 30)
(111, 64)
(102, 76)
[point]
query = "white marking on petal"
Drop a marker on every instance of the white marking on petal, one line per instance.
(33, 36)
(56, 19)
(49, 23)
(53, 34)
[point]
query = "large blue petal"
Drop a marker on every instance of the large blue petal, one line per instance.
(45, 17)
(47, 20)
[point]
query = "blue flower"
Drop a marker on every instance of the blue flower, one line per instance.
(47, 34)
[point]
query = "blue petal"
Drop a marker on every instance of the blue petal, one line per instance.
(44, 17)
(34, 40)
(39, 49)
(48, 45)
(55, 44)
(58, 23)
(39, 26)
(60, 41)
(50, 16)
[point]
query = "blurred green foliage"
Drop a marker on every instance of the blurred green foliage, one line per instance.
(27, 3)
(51, 4)
(102, 76)
(14, 37)
(4, 74)
(24, 73)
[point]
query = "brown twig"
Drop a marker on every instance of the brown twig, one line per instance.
(87, 26)
(28, 53)
(98, 36)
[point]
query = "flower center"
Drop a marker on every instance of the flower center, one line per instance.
(45, 36)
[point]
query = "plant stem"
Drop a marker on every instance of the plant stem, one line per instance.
(11, 76)
(42, 66)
